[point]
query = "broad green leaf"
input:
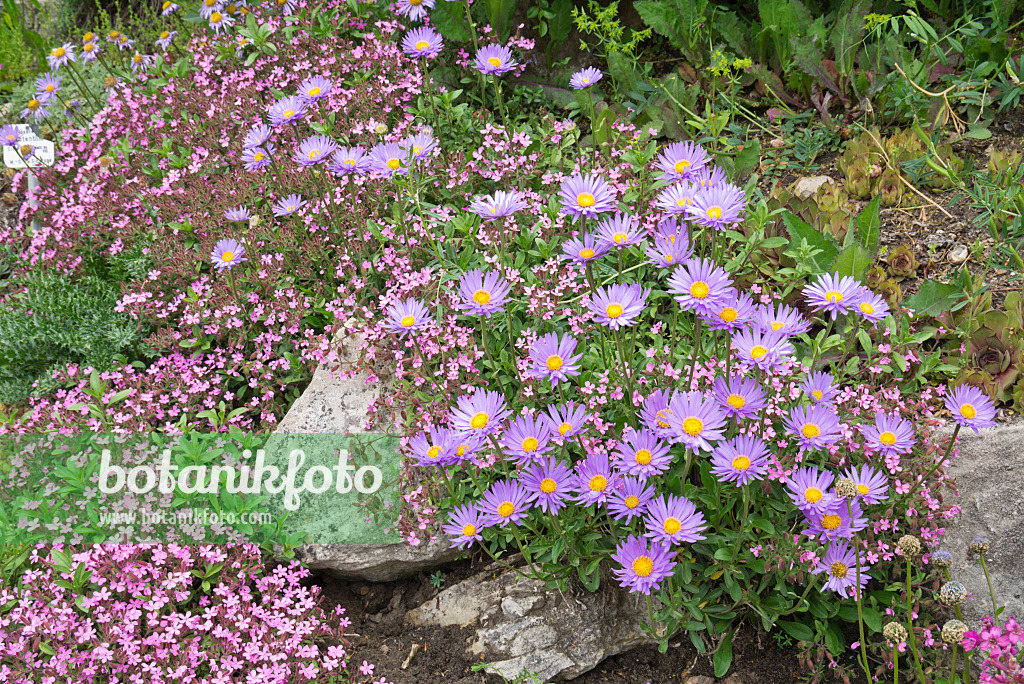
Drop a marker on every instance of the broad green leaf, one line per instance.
(933, 298)
(450, 19)
(799, 231)
(868, 227)
(723, 656)
(852, 261)
(797, 630)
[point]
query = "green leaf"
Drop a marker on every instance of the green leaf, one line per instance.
(723, 656)
(450, 19)
(663, 18)
(797, 630)
(560, 25)
(933, 298)
(852, 261)
(834, 640)
(868, 227)
(799, 231)
(748, 159)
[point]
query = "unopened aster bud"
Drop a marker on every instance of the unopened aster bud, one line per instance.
(953, 632)
(909, 545)
(952, 594)
(109, 82)
(846, 488)
(106, 161)
(942, 559)
(979, 545)
(895, 632)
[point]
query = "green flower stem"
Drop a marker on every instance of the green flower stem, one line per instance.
(910, 627)
(80, 82)
(487, 352)
(523, 548)
(561, 533)
(956, 652)
(696, 355)
(991, 591)
(860, 609)
(743, 524)
(895, 665)
(448, 483)
(817, 347)
(627, 369)
(427, 90)
(501, 104)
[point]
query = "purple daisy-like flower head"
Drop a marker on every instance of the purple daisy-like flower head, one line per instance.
(717, 206)
(256, 158)
(418, 146)
(389, 159)
(594, 480)
(642, 455)
(555, 359)
(833, 294)
(674, 520)
(644, 564)
(287, 110)
(350, 161)
(620, 230)
(809, 490)
(433, 448)
(655, 412)
(140, 62)
(695, 421)
(289, 205)
(971, 408)
(422, 43)
(495, 60)
(742, 459)
(709, 176)
(482, 293)
(416, 10)
(90, 51)
(503, 503)
(464, 525)
(819, 388)
(527, 440)
(618, 306)
(208, 7)
(257, 136)
(783, 319)
(740, 397)
(227, 253)
(682, 161)
(837, 524)
(630, 498)
(287, 7)
(585, 78)
(165, 40)
(889, 436)
(670, 246)
(315, 88)
(872, 485)
(241, 213)
(840, 568)
(567, 420)
(549, 484)
(700, 285)
(465, 445)
(480, 413)
(675, 199)
(10, 135)
(871, 307)
(314, 150)
(35, 109)
(583, 249)
(588, 195)
(814, 427)
(47, 86)
(406, 317)
(767, 351)
(220, 21)
(496, 206)
(60, 56)
(734, 312)
(168, 8)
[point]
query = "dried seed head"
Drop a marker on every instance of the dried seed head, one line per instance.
(909, 545)
(979, 545)
(846, 488)
(106, 161)
(952, 593)
(942, 558)
(953, 632)
(895, 632)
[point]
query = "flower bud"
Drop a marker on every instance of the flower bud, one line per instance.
(979, 545)
(942, 559)
(953, 632)
(909, 545)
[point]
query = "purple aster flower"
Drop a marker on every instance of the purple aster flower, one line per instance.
(257, 136)
(123, 43)
(767, 351)
(406, 317)
(642, 455)
(433, 448)
(645, 565)
(422, 42)
(465, 445)
(418, 146)
(480, 413)
(585, 78)
(496, 206)
(526, 440)
(10, 134)
(840, 568)
(220, 21)
(630, 498)
(681, 161)
(89, 52)
(620, 230)
(671, 245)
(288, 206)
(287, 7)
(718, 206)
(387, 159)
(594, 480)
(837, 524)
(784, 319)
(503, 503)
(819, 388)
(655, 412)
(694, 420)
(227, 253)
(549, 484)
(742, 459)
(314, 150)
(673, 520)
(314, 89)
(700, 285)
(889, 436)
(113, 36)
(676, 198)
(833, 294)
(60, 56)
(871, 307)
(971, 408)
(70, 106)
(555, 359)
(416, 10)
(734, 312)
(567, 420)
(350, 160)
(168, 8)
(241, 213)
(464, 525)
(256, 158)
(287, 110)
(588, 195)
(47, 86)
(208, 7)
(165, 40)
(618, 306)
(482, 293)
(35, 109)
(809, 491)
(495, 60)
(709, 176)
(740, 397)
(872, 486)
(582, 250)
(140, 62)
(814, 427)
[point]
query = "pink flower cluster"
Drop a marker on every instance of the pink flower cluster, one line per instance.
(1001, 645)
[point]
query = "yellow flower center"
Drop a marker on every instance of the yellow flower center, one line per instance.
(632, 502)
(350, 162)
(838, 570)
(817, 395)
(672, 525)
(415, 2)
(554, 362)
(812, 495)
(422, 45)
(313, 92)
(887, 438)
(777, 326)
(506, 509)
(33, 105)
(736, 401)
(113, 35)
(668, 258)
(494, 61)
(699, 289)
(586, 80)
(482, 297)
(469, 530)
(164, 35)
(59, 52)
(863, 490)
(167, 3)
(291, 112)
(434, 452)
(461, 451)
(49, 87)
(867, 308)
(643, 457)
(547, 485)
(598, 483)
(714, 213)
(564, 428)
(137, 59)
(660, 415)
(682, 165)
(409, 321)
(693, 426)
(741, 463)
(216, 17)
(585, 199)
(417, 151)
(643, 566)
(313, 154)
(810, 431)
(231, 9)
(968, 411)
(729, 314)
(619, 238)
(758, 351)
(479, 420)
(586, 253)
(393, 164)
(259, 156)
(227, 256)
(831, 522)
(613, 310)
(88, 47)
(682, 202)
(530, 444)
(833, 296)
